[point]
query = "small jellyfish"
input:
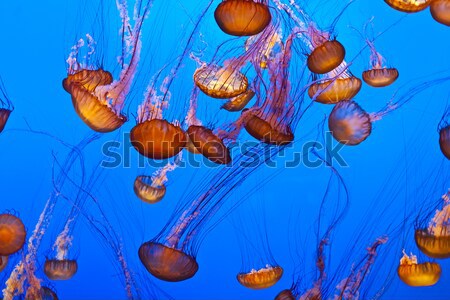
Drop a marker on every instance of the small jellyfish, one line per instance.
(344, 86)
(242, 17)
(414, 274)
(147, 190)
(409, 6)
(209, 144)
(56, 269)
(262, 278)
(285, 295)
(349, 123)
(6, 106)
(167, 263)
(221, 83)
(3, 262)
(440, 11)
(434, 241)
(12, 234)
(444, 134)
(239, 102)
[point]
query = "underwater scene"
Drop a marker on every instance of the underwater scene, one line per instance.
(225, 149)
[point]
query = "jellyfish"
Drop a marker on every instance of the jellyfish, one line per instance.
(409, 6)
(243, 17)
(56, 269)
(3, 262)
(239, 102)
(440, 11)
(6, 106)
(12, 234)
(339, 85)
(262, 278)
(378, 75)
(418, 274)
(434, 241)
(266, 51)
(97, 98)
(444, 134)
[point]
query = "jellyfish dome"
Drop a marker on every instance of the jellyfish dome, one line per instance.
(440, 11)
(285, 295)
(222, 83)
(239, 102)
(209, 144)
(267, 133)
(12, 234)
(380, 77)
(3, 262)
(432, 245)
(158, 139)
(64, 269)
(409, 6)
(444, 141)
(148, 193)
(418, 274)
(349, 123)
(97, 114)
(45, 293)
(167, 263)
(4, 116)
(331, 91)
(326, 57)
(260, 279)
(242, 17)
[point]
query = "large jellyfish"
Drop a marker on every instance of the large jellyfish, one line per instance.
(6, 106)
(243, 17)
(12, 234)
(409, 6)
(413, 273)
(444, 134)
(440, 11)
(96, 97)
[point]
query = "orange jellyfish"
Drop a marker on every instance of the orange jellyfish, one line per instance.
(409, 6)
(262, 278)
(6, 106)
(444, 134)
(12, 234)
(378, 75)
(434, 241)
(56, 269)
(242, 17)
(97, 99)
(326, 54)
(349, 123)
(440, 11)
(239, 102)
(3, 262)
(414, 274)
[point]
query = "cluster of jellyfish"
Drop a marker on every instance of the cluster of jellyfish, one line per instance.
(257, 89)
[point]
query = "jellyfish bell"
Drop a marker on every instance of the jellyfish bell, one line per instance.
(44, 293)
(97, 114)
(3, 262)
(440, 11)
(409, 6)
(167, 263)
(418, 274)
(144, 190)
(432, 245)
(285, 295)
(326, 57)
(12, 234)
(242, 17)
(380, 77)
(267, 133)
(349, 123)
(4, 116)
(56, 269)
(331, 91)
(218, 82)
(260, 279)
(158, 139)
(444, 141)
(209, 144)
(239, 102)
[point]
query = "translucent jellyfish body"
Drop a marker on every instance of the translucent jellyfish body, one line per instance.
(64, 269)
(167, 263)
(12, 234)
(285, 295)
(349, 123)
(242, 17)
(146, 191)
(418, 274)
(97, 114)
(440, 10)
(326, 57)
(222, 83)
(331, 91)
(239, 102)
(158, 139)
(409, 6)
(208, 144)
(444, 141)
(380, 77)
(432, 245)
(260, 279)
